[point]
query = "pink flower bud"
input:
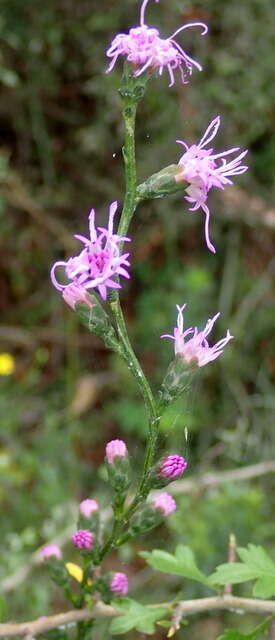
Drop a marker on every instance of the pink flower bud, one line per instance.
(172, 466)
(165, 503)
(87, 507)
(51, 551)
(115, 449)
(83, 539)
(74, 294)
(119, 584)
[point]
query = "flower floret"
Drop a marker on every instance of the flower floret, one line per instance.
(204, 169)
(145, 49)
(196, 350)
(96, 265)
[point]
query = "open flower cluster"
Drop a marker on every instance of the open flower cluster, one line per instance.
(96, 266)
(196, 350)
(204, 169)
(145, 49)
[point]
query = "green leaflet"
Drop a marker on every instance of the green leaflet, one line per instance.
(256, 565)
(135, 616)
(236, 635)
(181, 564)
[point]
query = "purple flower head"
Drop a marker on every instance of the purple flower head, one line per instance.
(200, 168)
(145, 49)
(96, 265)
(114, 449)
(165, 503)
(172, 466)
(51, 551)
(83, 539)
(119, 584)
(88, 507)
(196, 349)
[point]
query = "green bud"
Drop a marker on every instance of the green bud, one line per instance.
(97, 321)
(118, 474)
(144, 520)
(161, 184)
(178, 379)
(133, 87)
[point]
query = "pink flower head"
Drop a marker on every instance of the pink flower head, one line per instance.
(165, 503)
(83, 539)
(115, 449)
(51, 551)
(119, 584)
(200, 168)
(96, 265)
(196, 349)
(145, 49)
(88, 507)
(172, 467)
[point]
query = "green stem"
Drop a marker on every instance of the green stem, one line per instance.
(129, 156)
(131, 92)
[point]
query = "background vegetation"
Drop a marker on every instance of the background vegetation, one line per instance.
(61, 138)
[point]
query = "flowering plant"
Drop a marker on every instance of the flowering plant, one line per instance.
(91, 287)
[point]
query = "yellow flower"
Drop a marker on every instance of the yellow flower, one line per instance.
(75, 571)
(7, 364)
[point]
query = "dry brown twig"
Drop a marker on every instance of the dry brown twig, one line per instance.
(101, 610)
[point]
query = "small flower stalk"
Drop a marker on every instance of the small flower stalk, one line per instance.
(117, 462)
(204, 169)
(145, 50)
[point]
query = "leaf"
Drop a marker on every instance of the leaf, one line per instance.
(236, 635)
(256, 565)
(257, 557)
(135, 616)
(264, 587)
(181, 564)
(232, 573)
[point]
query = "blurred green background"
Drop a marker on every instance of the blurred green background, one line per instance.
(60, 154)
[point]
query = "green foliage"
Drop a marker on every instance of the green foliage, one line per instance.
(253, 635)
(181, 564)
(135, 616)
(256, 565)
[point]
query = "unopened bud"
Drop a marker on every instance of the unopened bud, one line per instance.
(117, 462)
(119, 584)
(167, 470)
(83, 539)
(50, 551)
